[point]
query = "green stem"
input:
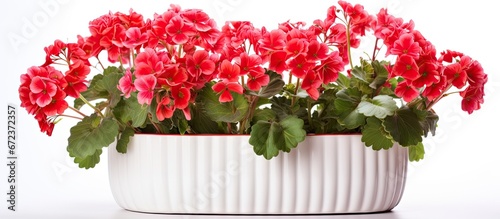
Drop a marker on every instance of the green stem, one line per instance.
(251, 111)
(348, 32)
(77, 111)
(431, 104)
(150, 117)
(70, 116)
(377, 92)
(242, 126)
(229, 128)
(309, 110)
(179, 52)
(132, 62)
(120, 60)
(297, 85)
(100, 63)
(245, 47)
(375, 50)
(296, 91)
(92, 106)
(448, 94)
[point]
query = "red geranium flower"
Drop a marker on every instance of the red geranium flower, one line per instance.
(45, 124)
(53, 51)
(200, 63)
(42, 91)
(311, 83)
(126, 85)
(181, 97)
(145, 85)
(164, 110)
(296, 47)
(472, 98)
(135, 38)
(299, 66)
(172, 75)
(317, 51)
(434, 90)
(406, 67)
(256, 80)
(179, 30)
(75, 77)
(224, 88)
(406, 91)
(57, 104)
(249, 63)
(147, 62)
(229, 71)
(429, 74)
(406, 45)
(455, 75)
(277, 62)
(476, 75)
(198, 19)
(329, 69)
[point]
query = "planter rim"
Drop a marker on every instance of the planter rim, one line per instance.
(237, 135)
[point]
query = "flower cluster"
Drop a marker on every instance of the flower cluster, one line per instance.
(424, 74)
(179, 73)
(44, 89)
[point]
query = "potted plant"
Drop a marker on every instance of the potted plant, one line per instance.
(181, 102)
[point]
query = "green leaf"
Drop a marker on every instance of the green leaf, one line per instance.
(416, 152)
(293, 132)
(387, 91)
(103, 86)
(404, 127)
(274, 87)
(124, 139)
(374, 135)
(152, 112)
(108, 84)
(180, 122)
(222, 112)
(91, 134)
(380, 106)
(343, 81)
(111, 70)
(381, 75)
(265, 114)
(89, 161)
(268, 138)
(202, 123)
(429, 123)
(359, 74)
(283, 107)
(129, 110)
(346, 108)
(90, 94)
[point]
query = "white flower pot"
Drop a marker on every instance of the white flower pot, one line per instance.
(222, 175)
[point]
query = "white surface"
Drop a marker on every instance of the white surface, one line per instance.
(222, 175)
(460, 177)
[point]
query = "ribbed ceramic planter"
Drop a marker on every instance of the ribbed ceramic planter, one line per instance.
(222, 175)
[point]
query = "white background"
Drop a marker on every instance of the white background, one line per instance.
(460, 177)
